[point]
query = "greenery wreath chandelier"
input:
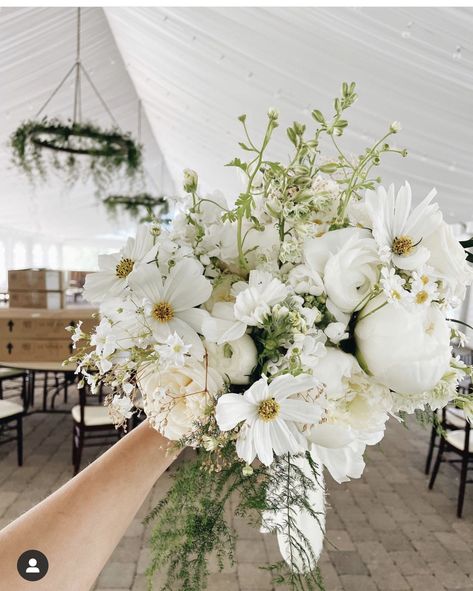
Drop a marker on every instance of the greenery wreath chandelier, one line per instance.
(76, 147)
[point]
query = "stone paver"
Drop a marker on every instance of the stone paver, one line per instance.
(385, 532)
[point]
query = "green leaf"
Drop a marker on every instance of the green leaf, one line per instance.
(238, 163)
(317, 115)
(243, 146)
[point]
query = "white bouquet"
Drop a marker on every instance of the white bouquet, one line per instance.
(277, 334)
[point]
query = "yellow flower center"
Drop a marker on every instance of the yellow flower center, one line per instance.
(163, 312)
(268, 409)
(124, 268)
(395, 294)
(402, 245)
(424, 279)
(422, 297)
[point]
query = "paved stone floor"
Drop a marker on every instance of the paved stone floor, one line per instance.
(386, 532)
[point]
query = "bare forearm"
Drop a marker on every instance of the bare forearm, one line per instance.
(82, 522)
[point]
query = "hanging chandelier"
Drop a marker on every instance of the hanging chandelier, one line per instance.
(76, 147)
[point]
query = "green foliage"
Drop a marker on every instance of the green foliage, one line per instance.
(191, 520)
(75, 149)
(154, 207)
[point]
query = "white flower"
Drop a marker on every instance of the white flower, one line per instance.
(120, 409)
(336, 332)
(174, 399)
(395, 127)
(222, 326)
(77, 334)
(253, 303)
(448, 259)
(190, 180)
(338, 450)
(170, 304)
(115, 268)
(347, 260)
(407, 350)
(393, 286)
(273, 113)
(173, 352)
(423, 289)
(308, 349)
(269, 416)
(234, 361)
(304, 281)
(400, 231)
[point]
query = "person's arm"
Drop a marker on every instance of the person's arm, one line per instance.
(78, 526)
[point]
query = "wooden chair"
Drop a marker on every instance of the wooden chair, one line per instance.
(91, 425)
(12, 380)
(458, 442)
(11, 412)
(454, 419)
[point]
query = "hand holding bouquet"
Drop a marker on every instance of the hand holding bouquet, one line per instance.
(277, 334)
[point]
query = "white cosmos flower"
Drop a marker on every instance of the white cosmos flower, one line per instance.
(398, 231)
(170, 304)
(115, 268)
(270, 417)
(254, 300)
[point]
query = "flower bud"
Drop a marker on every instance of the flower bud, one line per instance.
(247, 470)
(395, 127)
(273, 113)
(190, 180)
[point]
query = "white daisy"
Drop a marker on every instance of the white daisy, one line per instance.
(397, 229)
(170, 304)
(423, 289)
(393, 286)
(111, 279)
(269, 416)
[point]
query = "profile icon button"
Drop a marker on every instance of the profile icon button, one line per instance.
(32, 565)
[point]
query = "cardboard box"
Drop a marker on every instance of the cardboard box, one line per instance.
(34, 350)
(35, 280)
(44, 324)
(51, 300)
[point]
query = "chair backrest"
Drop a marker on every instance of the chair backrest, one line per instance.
(87, 398)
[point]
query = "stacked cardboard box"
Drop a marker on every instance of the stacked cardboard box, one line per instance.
(40, 335)
(36, 288)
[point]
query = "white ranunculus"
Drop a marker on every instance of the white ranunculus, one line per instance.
(177, 397)
(448, 259)
(235, 360)
(347, 259)
(221, 326)
(407, 350)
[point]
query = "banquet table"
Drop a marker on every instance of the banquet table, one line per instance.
(33, 368)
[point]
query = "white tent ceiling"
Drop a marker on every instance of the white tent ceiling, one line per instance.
(197, 69)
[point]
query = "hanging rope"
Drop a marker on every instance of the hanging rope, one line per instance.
(80, 71)
(77, 89)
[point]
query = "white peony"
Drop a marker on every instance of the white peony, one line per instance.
(234, 361)
(407, 350)
(448, 259)
(347, 259)
(174, 399)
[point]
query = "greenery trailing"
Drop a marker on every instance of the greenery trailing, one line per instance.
(76, 149)
(191, 520)
(154, 207)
